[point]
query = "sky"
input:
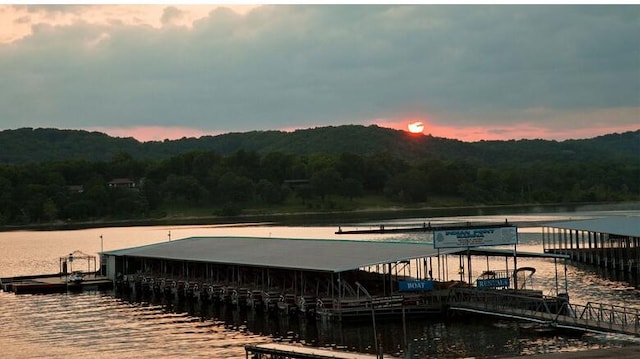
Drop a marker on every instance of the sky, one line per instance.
(466, 72)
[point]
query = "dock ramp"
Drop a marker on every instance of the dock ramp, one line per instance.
(593, 317)
(283, 351)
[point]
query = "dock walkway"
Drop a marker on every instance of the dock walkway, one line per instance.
(629, 352)
(594, 317)
(53, 283)
(282, 351)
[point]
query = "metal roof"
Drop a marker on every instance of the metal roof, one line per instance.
(501, 252)
(618, 225)
(304, 254)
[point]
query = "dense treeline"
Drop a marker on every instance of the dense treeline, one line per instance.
(27, 145)
(79, 190)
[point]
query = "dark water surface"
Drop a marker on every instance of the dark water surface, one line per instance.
(102, 325)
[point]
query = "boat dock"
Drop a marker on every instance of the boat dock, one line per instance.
(612, 242)
(54, 283)
(343, 279)
(282, 351)
(335, 279)
(382, 229)
(65, 280)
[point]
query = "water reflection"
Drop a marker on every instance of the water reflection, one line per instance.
(414, 337)
(104, 325)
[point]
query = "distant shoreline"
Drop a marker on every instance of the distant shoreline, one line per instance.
(331, 217)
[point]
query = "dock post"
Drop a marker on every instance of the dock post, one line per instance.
(404, 326)
(379, 352)
(584, 253)
(373, 319)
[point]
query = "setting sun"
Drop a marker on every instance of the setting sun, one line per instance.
(416, 127)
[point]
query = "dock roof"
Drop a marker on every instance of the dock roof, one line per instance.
(618, 225)
(503, 252)
(304, 254)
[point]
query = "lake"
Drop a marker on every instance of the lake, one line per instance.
(101, 324)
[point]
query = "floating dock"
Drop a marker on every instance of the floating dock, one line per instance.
(282, 351)
(53, 283)
(382, 229)
(425, 227)
(65, 280)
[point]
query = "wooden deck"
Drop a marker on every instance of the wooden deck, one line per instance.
(382, 229)
(410, 304)
(53, 283)
(283, 351)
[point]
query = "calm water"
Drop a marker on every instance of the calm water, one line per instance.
(102, 325)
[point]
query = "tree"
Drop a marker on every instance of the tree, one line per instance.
(269, 192)
(49, 210)
(232, 187)
(276, 167)
(184, 188)
(244, 163)
(326, 182)
(203, 162)
(304, 192)
(128, 203)
(351, 188)
(152, 193)
(350, 165)
(410, 186)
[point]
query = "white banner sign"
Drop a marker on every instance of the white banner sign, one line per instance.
(475, 237)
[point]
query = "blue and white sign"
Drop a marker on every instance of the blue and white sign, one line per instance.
(493, 283)
(475, 237)
(415, 285)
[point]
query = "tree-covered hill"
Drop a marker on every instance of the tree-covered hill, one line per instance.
(29, 145)
(60, 176)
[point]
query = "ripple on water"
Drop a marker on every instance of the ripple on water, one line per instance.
(94, 324)
(78, 325)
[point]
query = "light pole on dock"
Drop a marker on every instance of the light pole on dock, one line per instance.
(70, 260)
(101, 255)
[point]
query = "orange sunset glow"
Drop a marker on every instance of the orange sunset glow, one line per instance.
(499, 132)
(153, 133)
(462, 133)
(416, 127)
(168, 71)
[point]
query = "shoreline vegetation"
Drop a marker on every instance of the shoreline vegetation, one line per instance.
(334, 217)
(326, 175)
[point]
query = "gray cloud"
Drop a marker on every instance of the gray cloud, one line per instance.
(299, 66)
(170, 14)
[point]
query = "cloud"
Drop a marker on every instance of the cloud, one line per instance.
(273, 67)
(170, 15)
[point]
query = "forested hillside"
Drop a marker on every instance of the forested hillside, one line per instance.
(53, 176)
(38, 145)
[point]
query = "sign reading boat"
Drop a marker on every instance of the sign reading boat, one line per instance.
(474, 237)
(415, 285)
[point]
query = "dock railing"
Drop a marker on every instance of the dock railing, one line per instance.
(552, 311)
(607, 317)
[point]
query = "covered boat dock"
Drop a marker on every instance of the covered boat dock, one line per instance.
(610, 242)
(331, 278)
(326, 277)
